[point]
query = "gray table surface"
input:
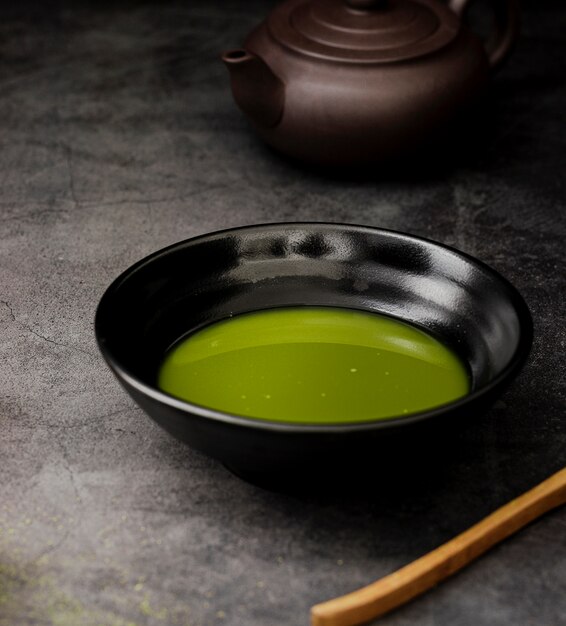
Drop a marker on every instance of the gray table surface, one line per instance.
(118, 136)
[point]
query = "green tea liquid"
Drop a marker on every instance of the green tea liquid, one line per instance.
(317, 365)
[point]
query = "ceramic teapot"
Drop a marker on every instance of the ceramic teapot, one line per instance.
(347, 82)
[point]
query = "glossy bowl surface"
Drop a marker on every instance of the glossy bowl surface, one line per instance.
(463, 302)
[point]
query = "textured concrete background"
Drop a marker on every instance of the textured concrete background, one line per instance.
(118, 136)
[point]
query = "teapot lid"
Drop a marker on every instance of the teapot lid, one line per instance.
(363, 31)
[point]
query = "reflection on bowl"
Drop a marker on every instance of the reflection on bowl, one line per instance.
(189, 285)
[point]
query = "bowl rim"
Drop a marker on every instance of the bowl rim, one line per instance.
(514, 365)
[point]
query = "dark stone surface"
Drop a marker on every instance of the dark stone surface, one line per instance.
(118, 136)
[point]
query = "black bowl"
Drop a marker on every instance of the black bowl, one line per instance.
(455, 297)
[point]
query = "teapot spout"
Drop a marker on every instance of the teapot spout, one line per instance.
(256, 88)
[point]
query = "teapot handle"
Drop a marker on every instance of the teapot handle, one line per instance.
(502, 39)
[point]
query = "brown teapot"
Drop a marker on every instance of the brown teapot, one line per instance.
(347, 82)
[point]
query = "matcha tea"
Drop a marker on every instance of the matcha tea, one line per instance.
(309, 364)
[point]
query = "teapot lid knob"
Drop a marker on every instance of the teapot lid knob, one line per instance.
(367, 4)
